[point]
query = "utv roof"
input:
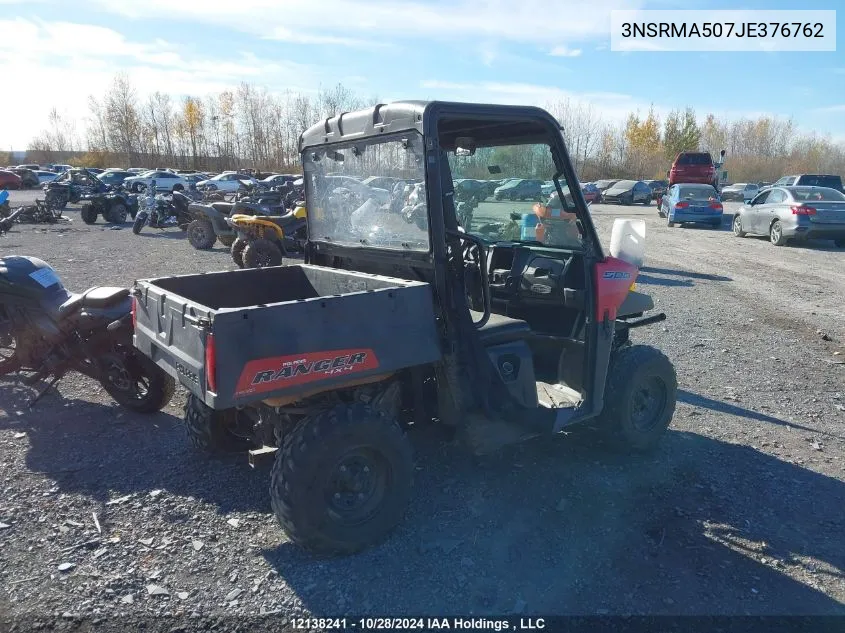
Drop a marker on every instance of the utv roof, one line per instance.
(483, 122)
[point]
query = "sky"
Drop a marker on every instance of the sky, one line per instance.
(55, 53)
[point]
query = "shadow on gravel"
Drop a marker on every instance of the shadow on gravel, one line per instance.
(697, 400)
(684, 273)
(560, 527)
(171, 235)
(105, 452)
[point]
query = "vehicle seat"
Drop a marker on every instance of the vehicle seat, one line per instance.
(501, 329)
(223, 207)
(102, 297)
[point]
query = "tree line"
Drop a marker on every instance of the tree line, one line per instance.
(250, 126)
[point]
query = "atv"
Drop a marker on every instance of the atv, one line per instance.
(265, 240)
(113, 205)
(71, 187)
(397, 320)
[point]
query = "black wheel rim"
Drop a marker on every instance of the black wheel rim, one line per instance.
(357, 486)
(648, 400)
(264, 258)
(122, 378)
(198, 233)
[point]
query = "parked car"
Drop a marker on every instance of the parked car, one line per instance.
(811, 180)
(628, 192)
(9, 180)
(794, 213)
(604, 185)
(382, 196)
(29, 179)
(165, 181)
(30, 166)
(114, 177)
(138, 170)
(691, 204)
(46, 176)
(228, 181)
(274, 180)
(469, 189)
(194, 179)
(590, 192)
(744, 191)
(382, 182)
(95, 170)
(694, 167)
(658, 187)
(519, 189)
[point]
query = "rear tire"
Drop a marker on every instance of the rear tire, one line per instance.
(261, 253)
(88, 214)
(640, 397)
(201, 234)
(776, 234)
(737, 227)
(237, 251)
(342, 480)
(159, 386)
(210, 431)
(117, 213)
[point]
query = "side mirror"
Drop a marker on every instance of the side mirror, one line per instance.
(464, 146)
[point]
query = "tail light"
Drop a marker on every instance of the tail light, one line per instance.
(210, 363)
(717, 206)
(682, 205)
(803, 210)
(134, 311)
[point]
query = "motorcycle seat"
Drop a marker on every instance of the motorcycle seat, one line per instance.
(100, 297)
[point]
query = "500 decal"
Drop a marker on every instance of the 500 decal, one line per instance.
(268, 374)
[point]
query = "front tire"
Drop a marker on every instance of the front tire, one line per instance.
(640, 397)
(237, 251)
(737, 227)
(136, 382)
(138, 224)
(261, 253)
(342, 480)
(776, 234)
(88, 214)
(201, 234)
(211, 431)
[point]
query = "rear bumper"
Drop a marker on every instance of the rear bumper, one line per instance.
(812, 231)
(696, 218)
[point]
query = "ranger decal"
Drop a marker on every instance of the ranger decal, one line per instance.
(270, 374)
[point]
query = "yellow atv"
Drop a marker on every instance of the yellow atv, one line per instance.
(263, 240)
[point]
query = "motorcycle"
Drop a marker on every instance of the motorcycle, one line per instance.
(164, 211)
(47, 331)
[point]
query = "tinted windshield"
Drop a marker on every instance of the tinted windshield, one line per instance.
(696, 193)
(817, 193)
(349, 212)
(624, 184)
(528, 215)
(834, 182)
(695, 159)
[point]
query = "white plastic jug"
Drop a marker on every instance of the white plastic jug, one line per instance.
(627, 241)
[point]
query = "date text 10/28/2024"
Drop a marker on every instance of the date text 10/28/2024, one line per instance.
(418, 624)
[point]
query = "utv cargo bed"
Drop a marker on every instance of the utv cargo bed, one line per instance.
(282, 333)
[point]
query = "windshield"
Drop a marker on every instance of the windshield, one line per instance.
(521, 211)
(817, 193)
(695, 159)
(704, 192)
(349, 212)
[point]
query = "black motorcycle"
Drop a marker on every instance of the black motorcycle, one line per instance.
(46, 331)
(114, 205)
(164, 211)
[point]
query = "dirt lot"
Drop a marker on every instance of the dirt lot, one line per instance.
(739, 512)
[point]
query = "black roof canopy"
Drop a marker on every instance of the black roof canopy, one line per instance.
(487, 124)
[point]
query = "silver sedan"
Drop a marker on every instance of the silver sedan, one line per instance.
(794, 213)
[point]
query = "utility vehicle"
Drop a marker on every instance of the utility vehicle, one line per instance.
(400, 317)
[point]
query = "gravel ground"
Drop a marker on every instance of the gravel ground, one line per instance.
(740, 511)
